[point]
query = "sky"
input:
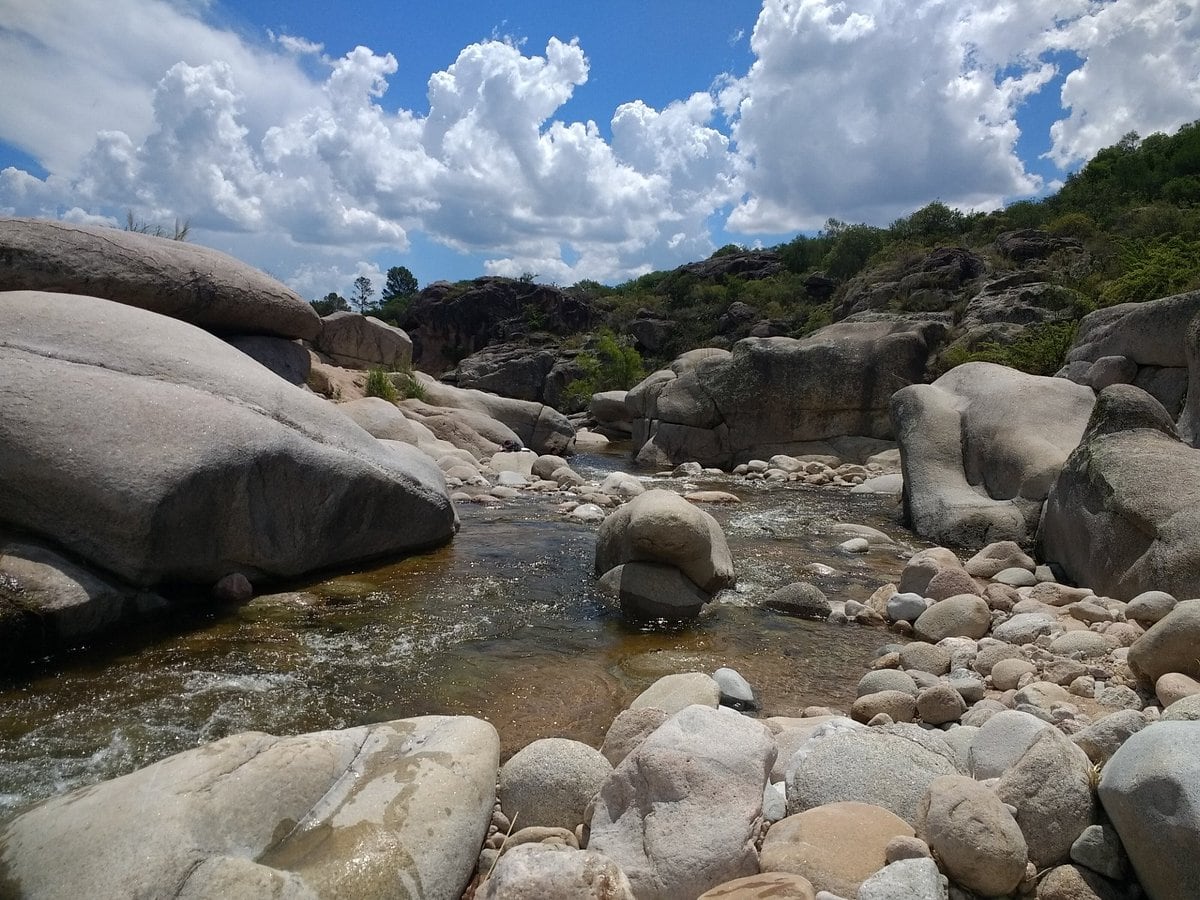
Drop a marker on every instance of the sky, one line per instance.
(570, 140)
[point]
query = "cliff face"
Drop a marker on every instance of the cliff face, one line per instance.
(448, 322)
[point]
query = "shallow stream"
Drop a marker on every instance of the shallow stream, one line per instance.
(505, 622)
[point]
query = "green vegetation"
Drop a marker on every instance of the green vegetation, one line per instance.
(379, 384)
(1040, 350)
(408, 386)
(612, 365)
(330, 303)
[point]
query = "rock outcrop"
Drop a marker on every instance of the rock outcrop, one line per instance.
(980, 448)
(774, 395)
(394, 809)
(1144, 344)
(448, 322)
(174, 278)
(1123, 516)
(157, 452)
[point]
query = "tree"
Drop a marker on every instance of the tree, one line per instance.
(363, 292)
(400, 283)
(330, 303)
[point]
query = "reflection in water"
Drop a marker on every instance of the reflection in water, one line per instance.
(504, 623)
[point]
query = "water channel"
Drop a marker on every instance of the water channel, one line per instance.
(505, 622)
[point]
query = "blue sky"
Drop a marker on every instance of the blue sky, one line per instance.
(570, 140)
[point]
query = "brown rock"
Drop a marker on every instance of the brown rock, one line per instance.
(835, 846)
(767, 886)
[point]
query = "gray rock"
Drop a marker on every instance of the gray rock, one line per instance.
(981, 447)
(1185, 710)
(964, 615)
(1015, 577)
(1050, 788)
(897, 706)
(1136, 536)
(1170, 645)
(660, 526)
(351, 812)
(996, 557)
(905, 607)
(539, 427)
(628, 729)
(173, 278)
(681, 813)
(886, 680)
(362, 342)
(973, 835)
(541, 870)
(801, 599)
(940, 704)
(991, 652)
(673, 693)
(48, 602)
(1102, 738)
(551, 781)
(1001, 741)
(774, 801)
(1150, 790)
(925, 657)
(774, 393)
(381, 419)
(959, 739)
(880, 767)
(1025, 628)
(735, 690)
(1149, 607)
(276, 484)
(1099, 848)
(650, 591)
(290, 360)
(905, 880)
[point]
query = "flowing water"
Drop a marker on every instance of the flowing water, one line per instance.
(505, 622)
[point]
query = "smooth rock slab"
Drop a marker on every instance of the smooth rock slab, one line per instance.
(766, 886)
(399, 808)
(174, 278)
(905, 879)
(197, 461)
(673, 693)
(682, 812)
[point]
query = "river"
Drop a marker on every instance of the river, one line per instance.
(505, 622)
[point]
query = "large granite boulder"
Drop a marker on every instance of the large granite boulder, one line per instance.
(290, 360)
(1150, 338)
(175, 278)
(773, 395)
(395, 809)
(660, 526)
(1123, 516)
(1151, 792)
(158, 452)
(1172, 644)
(362, 342)
(683, 810)
(541, 428)
(981, 446)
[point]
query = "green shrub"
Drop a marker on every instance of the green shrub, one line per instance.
(408, 386)
(1153, 268)
(612, 366)
(379, 384)
(1040, 350)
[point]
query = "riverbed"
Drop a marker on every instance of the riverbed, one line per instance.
(505, 622)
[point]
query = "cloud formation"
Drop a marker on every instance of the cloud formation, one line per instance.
(859, 109)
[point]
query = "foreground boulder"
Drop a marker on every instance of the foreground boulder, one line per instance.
(1124, 514)
(980, 448)
(682, 812)
(181, 280)
(774, 395)
(1151, 792)
(395, 809)
(158, 452)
